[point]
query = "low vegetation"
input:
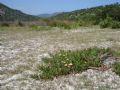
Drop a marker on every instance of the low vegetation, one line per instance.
(66, 62)
(108, 22)
(115, 25)
(116, 68)
(4, 24)
(40, 28)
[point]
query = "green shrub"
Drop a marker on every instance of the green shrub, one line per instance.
(81, 23)
(5, 24)
(116, 68)
(66, 62)
(65, 24)
(106, 23)
(115, 25)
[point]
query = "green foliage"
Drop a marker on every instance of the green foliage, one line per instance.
(61, 24)
(108, 22)
(116, 68)
(66, 62)
(33, 26)
(116, 53)
(104, 24)
(40, 28)
(112, 11)
(44, 28)
(115, 25)
(82, 23)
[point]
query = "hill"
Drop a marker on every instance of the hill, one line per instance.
(105, 16)
(48, 15)
(44, 15)
(9, 14)
(100, 12)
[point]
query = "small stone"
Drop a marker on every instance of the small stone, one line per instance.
(104, 56)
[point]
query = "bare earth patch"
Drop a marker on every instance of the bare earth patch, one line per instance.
(21, 51)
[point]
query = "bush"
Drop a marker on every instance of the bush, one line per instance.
(81, 23)
(66, 62)
(115, 25)
(62, 24)
(106, 22)
(5, 24)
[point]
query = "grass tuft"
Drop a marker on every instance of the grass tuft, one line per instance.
(116, 68)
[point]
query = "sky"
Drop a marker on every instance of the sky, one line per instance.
(36, 7)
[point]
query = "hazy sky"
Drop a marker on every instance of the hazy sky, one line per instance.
(36, 7)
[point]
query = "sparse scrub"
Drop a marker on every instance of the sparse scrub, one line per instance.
(65, 24)
(66, 62)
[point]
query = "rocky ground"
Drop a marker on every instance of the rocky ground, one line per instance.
(21, 51)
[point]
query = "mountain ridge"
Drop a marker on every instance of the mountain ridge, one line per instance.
(45, 15)
(9, 14)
